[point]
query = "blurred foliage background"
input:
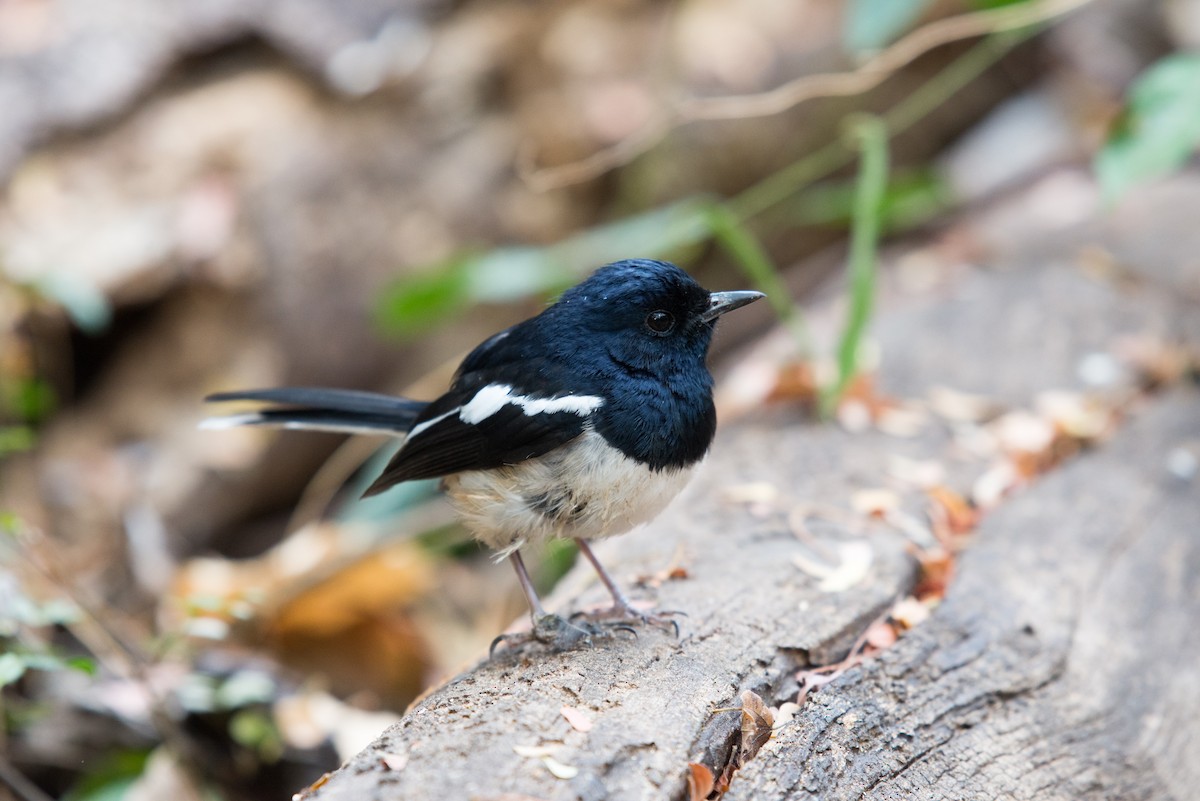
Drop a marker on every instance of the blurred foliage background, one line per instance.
(211, 195)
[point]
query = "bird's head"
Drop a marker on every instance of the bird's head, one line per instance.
(647, 315)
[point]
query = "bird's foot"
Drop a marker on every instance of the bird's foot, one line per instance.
(558, 633)
(623, 616)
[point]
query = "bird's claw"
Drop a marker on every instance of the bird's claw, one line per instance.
(555, 631)
(622, 617)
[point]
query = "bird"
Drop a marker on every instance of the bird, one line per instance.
(582, 422)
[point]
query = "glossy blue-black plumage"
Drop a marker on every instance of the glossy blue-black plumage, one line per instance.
(657, 392)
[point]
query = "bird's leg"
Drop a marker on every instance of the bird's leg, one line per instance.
(535, 603)
(621, 608)
(547, 628)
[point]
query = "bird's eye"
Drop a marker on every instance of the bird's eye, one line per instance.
(660, 322)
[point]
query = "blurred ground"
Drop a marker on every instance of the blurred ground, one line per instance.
(202, 196)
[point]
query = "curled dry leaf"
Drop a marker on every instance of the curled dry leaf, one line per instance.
(699, 781)
(854, 562)
(576, 717)
(757, 722)
(937, 568)
(558, 769)
(532, 751)
(953, 510)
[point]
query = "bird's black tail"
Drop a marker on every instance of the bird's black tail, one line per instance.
(315, 409)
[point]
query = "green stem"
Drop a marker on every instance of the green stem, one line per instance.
(871, 134)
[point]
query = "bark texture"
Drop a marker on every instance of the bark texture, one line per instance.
(1062, 663)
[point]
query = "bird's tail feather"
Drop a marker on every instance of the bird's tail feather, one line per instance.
(316, 409)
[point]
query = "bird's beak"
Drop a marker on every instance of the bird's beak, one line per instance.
(721, 302)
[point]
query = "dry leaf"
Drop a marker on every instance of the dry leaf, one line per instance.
(910, 613)
(1079, 417)
(794, 381)
(395, 762)
(875, 502)
(957, 513)
(996, 482)
(1022, 431)
(558, 769)
(902, 421)
(674, 571)
(960, 407)
(699, 781)
(937, 568)
(576, 717)
(757, 722)
(881, 635)
(854, 563)
(1158, 363)
(542, 752)
(532, 751)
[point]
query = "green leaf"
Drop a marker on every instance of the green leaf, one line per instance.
(418, 302)
(30, 400)
(1159, 129)
(110, 777)
(873, 24)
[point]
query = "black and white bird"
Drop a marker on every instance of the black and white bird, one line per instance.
(582, 422)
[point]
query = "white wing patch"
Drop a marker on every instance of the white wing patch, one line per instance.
(495, 397)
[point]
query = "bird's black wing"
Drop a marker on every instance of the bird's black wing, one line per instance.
(492, 417)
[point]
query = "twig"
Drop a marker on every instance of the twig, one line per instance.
(793, 93)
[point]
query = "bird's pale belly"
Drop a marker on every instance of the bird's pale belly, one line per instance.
(584, 489)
